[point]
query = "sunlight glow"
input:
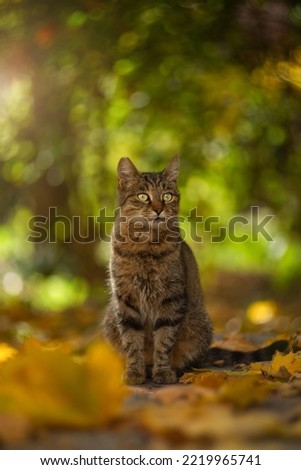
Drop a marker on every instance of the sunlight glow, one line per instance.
(261, 312)
(12, 283)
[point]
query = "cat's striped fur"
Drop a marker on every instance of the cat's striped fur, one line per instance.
(156, 316)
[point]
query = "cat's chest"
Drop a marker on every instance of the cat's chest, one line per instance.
(147, 280)
(149, 288)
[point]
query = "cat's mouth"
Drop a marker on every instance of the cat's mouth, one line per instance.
(158, 218)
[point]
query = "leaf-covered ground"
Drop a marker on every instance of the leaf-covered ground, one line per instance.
(53, 397)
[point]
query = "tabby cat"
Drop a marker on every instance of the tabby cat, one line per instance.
(156, 317)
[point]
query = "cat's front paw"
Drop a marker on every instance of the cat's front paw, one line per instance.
(165, 376)
(134, 377)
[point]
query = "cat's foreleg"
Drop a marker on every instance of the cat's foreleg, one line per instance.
(163, 344)
(165, 336)
(132, 336)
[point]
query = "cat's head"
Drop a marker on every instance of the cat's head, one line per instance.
(154, 196)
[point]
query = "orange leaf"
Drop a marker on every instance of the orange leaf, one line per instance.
(206, 379)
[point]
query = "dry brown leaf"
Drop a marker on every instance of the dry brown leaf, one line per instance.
(296, 341)
(282, 375)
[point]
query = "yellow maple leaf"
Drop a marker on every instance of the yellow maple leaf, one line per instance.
(238, 388)
(50, 387)
(6, 352)
(244, 391)
(283, 367)
(256, 367)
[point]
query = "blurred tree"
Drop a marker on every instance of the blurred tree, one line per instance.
(84, 82)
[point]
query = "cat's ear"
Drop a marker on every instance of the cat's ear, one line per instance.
(126, 171)
(171, 172)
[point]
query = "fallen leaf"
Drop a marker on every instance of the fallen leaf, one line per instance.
(14, 428)
(210, 421)
(282, 375)
(235, 342)
(244, 391)
(291, 389)
(178, 393)
(282, 367)
(207, 379)
(6, 352)
(48, 386)
(219, 363)
(233, 387)
(296, 341)
(256, 367)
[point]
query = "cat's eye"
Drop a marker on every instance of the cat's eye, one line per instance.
(142, 197)
(167, 197)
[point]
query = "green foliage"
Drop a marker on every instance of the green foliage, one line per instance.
(84, 83)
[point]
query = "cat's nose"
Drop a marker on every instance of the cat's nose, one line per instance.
(158, 208)
(158, 211)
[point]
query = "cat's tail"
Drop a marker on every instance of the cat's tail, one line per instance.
(228, 358)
